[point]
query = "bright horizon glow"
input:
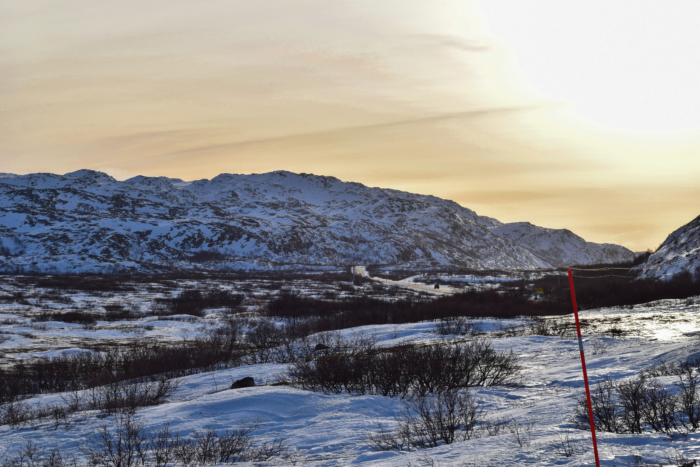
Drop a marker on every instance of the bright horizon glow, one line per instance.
(625, 65)
(580, 115)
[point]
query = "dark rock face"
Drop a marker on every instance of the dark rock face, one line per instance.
(247, 382)
(86, 221)
(320, 347)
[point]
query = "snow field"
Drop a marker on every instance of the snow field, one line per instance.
(329, 430)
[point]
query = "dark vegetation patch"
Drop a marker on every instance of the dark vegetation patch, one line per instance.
(73, 372)
(205, 256)
(225, 347)
(74, 316)
(613, 291)
(194, 302)
(83, 283)
(592, 291)
(326, 315)
(119, 312)
(407, 369)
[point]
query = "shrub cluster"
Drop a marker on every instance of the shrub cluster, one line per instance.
(407, 369)
(86, 283)
(642, 404)
(457, 326)
(86, 370)
(193, 302)
(130, 444)
(224, 347)
(430, 421)
(122, 397)
(327, 315)
(73, 316)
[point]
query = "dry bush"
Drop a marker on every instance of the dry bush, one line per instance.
(521, 431)
(130, 444)
(641, 404)
(194, 302)
(398, 371)
(565, 446)
(127, 443)
(457, 326)
(87, 370)
(74, 316)
(127, 396)
(430, 421)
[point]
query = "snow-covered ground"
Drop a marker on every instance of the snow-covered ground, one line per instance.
(23, 333)
(329, 430)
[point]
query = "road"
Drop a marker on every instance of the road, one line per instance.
(362, 272)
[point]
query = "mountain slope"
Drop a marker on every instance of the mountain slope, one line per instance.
(680, 252)
(560, 246)
(88, 221)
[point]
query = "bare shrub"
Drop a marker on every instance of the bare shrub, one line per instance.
(128, 396)
(130, 444)
(430, 421)
(30, 454)
(599, 347)
(494, 427)
(521, 431)
(125, 446)
(262, 338)
(565, 447)
(689, 399)
(119, 312)
(194, 302)
(641, 404)
(631, 394)
(397, 371)
(16, 414)
(80, 371)
(457, 326)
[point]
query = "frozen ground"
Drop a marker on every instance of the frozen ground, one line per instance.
(329, 430)
(23, 301)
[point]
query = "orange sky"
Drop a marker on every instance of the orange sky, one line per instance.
(577, 115)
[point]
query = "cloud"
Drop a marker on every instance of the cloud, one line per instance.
(451, 42)
(488, 197)
(351, 131)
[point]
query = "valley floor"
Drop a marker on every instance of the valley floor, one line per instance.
(330, 430)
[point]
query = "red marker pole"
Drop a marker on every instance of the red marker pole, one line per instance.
(583, 365)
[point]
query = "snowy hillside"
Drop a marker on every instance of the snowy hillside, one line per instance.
(88, 221)
(680, 252)
(561, 246)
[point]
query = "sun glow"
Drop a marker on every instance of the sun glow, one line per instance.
(624, 65)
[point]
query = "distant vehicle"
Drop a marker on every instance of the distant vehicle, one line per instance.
(437, 286)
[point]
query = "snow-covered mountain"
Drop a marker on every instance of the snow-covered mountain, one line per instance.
(679, 253)
(560, 246)
(88, 221)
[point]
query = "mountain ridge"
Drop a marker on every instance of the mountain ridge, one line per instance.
(87, 221)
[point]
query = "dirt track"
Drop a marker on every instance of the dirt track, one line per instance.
(362, 272)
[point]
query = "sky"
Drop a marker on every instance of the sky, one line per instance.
(582, 115)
